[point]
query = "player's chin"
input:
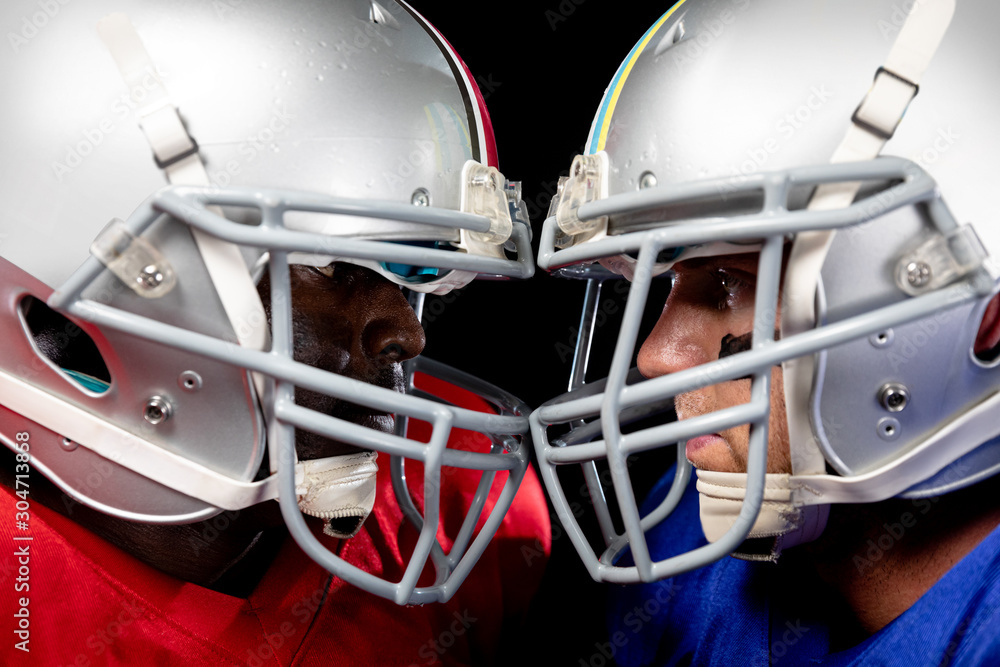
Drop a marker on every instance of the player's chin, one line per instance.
(311, 446)
(712, 452)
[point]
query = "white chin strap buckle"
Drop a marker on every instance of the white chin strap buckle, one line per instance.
(339, 487)
(779, 523)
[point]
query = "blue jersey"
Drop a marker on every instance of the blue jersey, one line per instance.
(728, 613)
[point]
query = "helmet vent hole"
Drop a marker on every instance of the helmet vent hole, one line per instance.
(675, 35)
(64, 344)
(989, 356)
(379, 15)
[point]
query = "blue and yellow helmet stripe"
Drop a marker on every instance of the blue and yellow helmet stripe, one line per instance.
(602, 122)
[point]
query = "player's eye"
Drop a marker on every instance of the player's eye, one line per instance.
(732, 283)
(735, 287)
(324, 270)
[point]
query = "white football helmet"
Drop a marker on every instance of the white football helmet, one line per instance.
(776, 127)
(221, 139)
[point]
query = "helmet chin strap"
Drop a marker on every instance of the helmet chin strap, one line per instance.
(338, 488)
(176, 154)
(784, 520)
(779, 523)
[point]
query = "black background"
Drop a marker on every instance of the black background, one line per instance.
(543, 68)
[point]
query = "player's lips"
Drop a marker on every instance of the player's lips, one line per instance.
(701, 442)
(364, 416)
(314, 446)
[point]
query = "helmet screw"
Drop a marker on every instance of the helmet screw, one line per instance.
(157, 410)
(150, 277)
(421, 197)
(647, 180)
(894, 396)
(918, 274)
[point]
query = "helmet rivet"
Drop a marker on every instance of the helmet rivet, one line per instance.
(647, 180)
(918, 274)
(157, 410)
(421, 197)
(189, 381)
(888, 429)
(893, 396)
(68, 445)
(882, 338)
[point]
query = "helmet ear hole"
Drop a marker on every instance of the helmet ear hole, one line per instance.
(988, 355)
(65, 344)
(987, 347)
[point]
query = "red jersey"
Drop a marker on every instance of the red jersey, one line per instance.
(88, 603)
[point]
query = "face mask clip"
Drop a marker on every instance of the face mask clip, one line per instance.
(587, 182)
(940, 261)
(134, 261)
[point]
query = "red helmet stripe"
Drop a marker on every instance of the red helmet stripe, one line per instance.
(484, 148)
